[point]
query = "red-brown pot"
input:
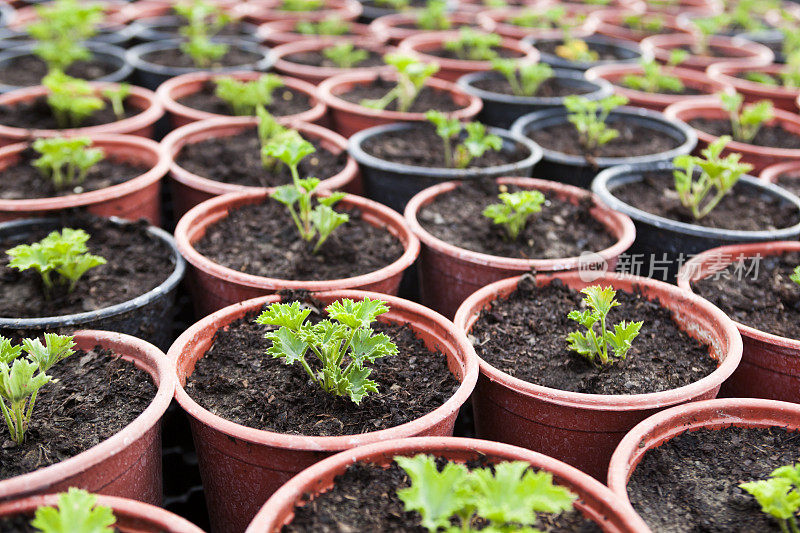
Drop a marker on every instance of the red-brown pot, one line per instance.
(692, 79)
(127, 464)
(497, 21)
(133, 199)
(140, 124)
(758, 156)
(787, 170)
(583, 429)
(452, 69)
(172, 90)
(214, 286)
(736, 50)
(610, 23)
(132, 516)
(696, 8)
(141, 9)
(782, 97)
(770, 366)
(113, 13)
(316, 75)
(189, 189)
(449, 274)
(242, 466)
(595, 501)
(393, 28)
(260, 11)
(280, 32)
(348, 118)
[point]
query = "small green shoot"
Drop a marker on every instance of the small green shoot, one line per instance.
(204, 20)
(524, 79)
(61, 29)
(513, 211)
(434, 16)
(653, 78)
(345, 54)
(644, 23)
(476, 143)
(397, 5)
(77, 512)
(795, 275)
(779, 496)
(72, 100)
(552, 17)
(474, 45)
(747, 120)
(243, 97)
(66, 161)
(411, 77)
(301, 5)
(576, 50)
(328, 26)
(589, 118)
(707, 27)
(116, 94)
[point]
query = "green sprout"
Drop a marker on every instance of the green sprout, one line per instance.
(204, 20)
(345, 54)
(61, 29)
(644, 23)
(524, 78)
(795, 275)
(77, 512)
(434, 16)
(589, 118)
(343, 343)
(476, 143)
(778, 496)
(243, 97)
(576, 50)
(747, 120)
(66, 161)
(514, 210)
(72, 100)
(788, 77)
(397, 5)
(116, 94)
(551, 17)
(411, 77)
(327, 26)
(301, 5)
(706, 28)
(653, 78)
(474, 45)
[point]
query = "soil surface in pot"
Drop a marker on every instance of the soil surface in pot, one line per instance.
(790, 182)
(137, 263)
(421, 147)
(499, 51)
(687, 90)
(261, 240)
(36, 114)
(691, 482)
(173, 57)
(740, 210)
(238, 381)
(604, 53)
(285, 101)
(758, 293)
(26, 71)
(525, 334)
(318, 59)
(634, 140)
(364, 498)
(769, 136)
(551, 88)
(453, 26)
(426, 100)
(22, 180)
(236, 159)
(93, 395)
(561, 229)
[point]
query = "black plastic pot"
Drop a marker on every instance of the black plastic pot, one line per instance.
(151, 75)
(148, 316)
(501, 110)
(576, 170)
(394, 184)
(6, 15)
(660, 238)
(164, 28)
(624, 52)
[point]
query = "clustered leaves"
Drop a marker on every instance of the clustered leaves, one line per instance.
(76, 512)
(651, 23)
(411, 77)
(243, 97)
(746, 120)
(60, 30)
(502, 498)
(203, 21)
(474, 45)
(72, 100)
(576, 50)
(795, 275)
(779, 496)
(327, 26)
(475, 144)
(345, 54)
(524, 78)
(116, 94)
(653, 78)
(514, 209)
(66, 161)
(301, 5)
(589, 118)
(552, 17)
(343, 343)
(397, 5)
(434, 16)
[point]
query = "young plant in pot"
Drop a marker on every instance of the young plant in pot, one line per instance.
(549, 22)
(779, 84)
(570, 52)
(168, 26)
(609, 351)
(311, 10)
(706, 49)
(631, 25)
(586, 136)
(316, 60)
(435, 16)
(280, 32)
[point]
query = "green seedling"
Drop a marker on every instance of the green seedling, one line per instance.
(576, 50)
(411, 77)
(513, 211)
(788, 77)
(476, 143)
(345, 55)
(116, 94)
(301, 5)
(434, 16)
(524, 78)
(644, 23)
(343, 343)
(66, 161)
(328, 26)
(203, 21)
(551, 17)
(77, 512)
(707, 27)
(474, 45)
(72, 100)
(243, 97)
(269, 130)
(653, 78)
(779, 496)
(397, 5)
(795, 275)
(589, 118)
(503, 498)
(696, 177)
(595, 346)
(747, 120)
(61, 29)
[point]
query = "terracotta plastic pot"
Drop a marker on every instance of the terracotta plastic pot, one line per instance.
(316, 75)
(449, 274)
(770, 366)
(499, 21)
(127, 464)
(452, 69)
(348, 118)
(140, 124)
(131, 515)
(280, 32)
(758, 156)
(625, 52)
(595, 500)
(395, 27)
(710, 414)
(782, 97)
(214, 286)
(583, 429)
(260, 11)
(172, 90)
(611, 23)
(166, 27)
(189, 189)
(788, 170)
(242, 466)
(133, 199)
(692, 79)
(735, 50)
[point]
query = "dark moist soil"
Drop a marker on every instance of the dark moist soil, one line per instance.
(691, 483)
(285, 101)
(262, 240)
(501, 52)
(26, 71)
(738, 210)
(770, 136)
(421, 147)
(364, 498)
(237, 381)
(551, 88)
(560, 230)
(22, 180)
(92, 397)
(237, 159)
(634, 140)
(173, 57)
(318, 59)
(525, 336)
(604, 53)
(36, 114)
(234, 29)
(790, 183)
(427, 98)
(137, 263)
(757, 292)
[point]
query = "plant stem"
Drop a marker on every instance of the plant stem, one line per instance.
(7, 416)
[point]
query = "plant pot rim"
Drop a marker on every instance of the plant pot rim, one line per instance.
(754, 54)
(289, 494)
(164, 379)
(271, 29)
(175, 141)
(623, 241)
(325, 92)
(606, 402)
(279, 53)
(141, 27)
(111, 141)
(324, 443)
(76, 319)
(509, 169)
(774, 171)
(724, 73)
(597, 40)
(265, 11)
(387, 26)
(636, 113)
(166, 90)
(600, 186)
(698, 267)
(134, 56)
(496, 20)
(231, 200)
